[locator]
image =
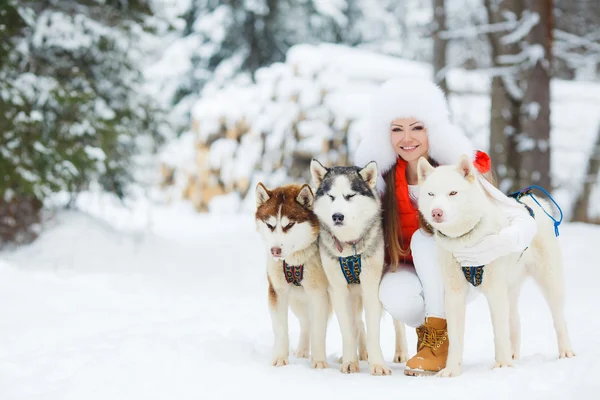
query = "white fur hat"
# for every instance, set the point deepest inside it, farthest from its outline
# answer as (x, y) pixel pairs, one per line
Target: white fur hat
(405, 98)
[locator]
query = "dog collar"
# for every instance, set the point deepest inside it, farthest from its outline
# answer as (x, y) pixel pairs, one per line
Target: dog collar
(338, 244)
(440, 233)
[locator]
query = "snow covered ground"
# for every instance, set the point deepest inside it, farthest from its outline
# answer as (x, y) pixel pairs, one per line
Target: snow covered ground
(179, 311)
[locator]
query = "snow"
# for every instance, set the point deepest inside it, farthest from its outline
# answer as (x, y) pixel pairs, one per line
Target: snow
(522, 30)
(334, 9)
(156, 303)
(333, 84)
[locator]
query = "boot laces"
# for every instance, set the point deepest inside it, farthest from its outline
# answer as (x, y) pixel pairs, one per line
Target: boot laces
(432, 337)
(420, 335)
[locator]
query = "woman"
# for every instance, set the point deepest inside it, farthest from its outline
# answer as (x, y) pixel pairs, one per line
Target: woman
(410, 119)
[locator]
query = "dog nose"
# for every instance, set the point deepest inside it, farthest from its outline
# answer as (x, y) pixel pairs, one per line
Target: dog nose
(437, 214)
(337, 217)
(276, 251)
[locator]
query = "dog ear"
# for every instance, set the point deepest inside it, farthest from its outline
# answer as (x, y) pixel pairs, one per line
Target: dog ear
(369, 174)
(261, 194)
(306, 197)
(424, 168)
(317, 171)
(466, 168)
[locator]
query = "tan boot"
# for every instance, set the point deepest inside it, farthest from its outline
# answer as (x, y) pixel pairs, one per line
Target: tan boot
(432, 351)
(420, 334)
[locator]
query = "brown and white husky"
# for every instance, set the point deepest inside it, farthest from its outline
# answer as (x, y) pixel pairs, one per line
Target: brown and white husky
(290, 231)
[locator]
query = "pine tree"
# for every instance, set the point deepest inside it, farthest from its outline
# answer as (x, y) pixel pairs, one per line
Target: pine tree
(71, 105)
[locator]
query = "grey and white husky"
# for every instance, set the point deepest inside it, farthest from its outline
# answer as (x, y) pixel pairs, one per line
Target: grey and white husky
(351, 247)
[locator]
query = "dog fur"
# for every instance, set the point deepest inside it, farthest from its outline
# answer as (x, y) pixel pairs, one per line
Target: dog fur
(351, 192)
(469, 215)
(290, 231)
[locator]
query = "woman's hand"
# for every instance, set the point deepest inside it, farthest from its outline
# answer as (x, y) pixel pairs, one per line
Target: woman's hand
(486, 250)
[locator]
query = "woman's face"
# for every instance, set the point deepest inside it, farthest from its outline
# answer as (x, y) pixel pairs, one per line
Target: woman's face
(409, 138)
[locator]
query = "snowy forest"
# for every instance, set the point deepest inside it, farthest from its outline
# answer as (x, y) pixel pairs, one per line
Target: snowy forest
(133, 134)
(214, 96)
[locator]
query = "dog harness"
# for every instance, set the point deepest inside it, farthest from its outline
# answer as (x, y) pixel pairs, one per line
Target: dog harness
(474, 275)
(350, 265)
(293, 273)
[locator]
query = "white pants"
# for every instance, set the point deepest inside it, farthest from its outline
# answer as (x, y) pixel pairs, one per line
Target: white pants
(410, 294)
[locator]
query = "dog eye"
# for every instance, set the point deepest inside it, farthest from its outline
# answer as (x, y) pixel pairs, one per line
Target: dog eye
(271, 227)
(430, 193)
(453, 193)
(348, 197)
(331, 197)
(288, 226)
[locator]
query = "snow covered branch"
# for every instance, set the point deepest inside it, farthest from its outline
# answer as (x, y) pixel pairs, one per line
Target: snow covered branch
(530, 55)
(474, 31)
(568, 40)
(523, 28)
(518, 29)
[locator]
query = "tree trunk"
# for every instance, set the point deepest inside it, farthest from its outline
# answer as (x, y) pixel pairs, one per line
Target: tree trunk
(505, 109)
(581, 207)
(439, 44)
(534, 139)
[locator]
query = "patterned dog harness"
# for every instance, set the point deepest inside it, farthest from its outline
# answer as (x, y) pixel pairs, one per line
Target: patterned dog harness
(517, 196)
(474, 275)
(293, 273)
(351, 267)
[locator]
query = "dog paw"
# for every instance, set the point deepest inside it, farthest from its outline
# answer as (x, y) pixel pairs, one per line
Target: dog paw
(566, 354)
(380, 370)
(400, 357)
(503, 364)
(350, 367)
(449, 372)
(516, 355)
(280, 361)
(302, 353)
(320, 364)
(363, 355)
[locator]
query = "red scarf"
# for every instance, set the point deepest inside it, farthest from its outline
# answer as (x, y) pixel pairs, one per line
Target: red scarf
(408, 216)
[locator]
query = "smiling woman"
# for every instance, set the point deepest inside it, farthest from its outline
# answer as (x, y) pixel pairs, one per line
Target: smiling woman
(410, 120)
(409, 138)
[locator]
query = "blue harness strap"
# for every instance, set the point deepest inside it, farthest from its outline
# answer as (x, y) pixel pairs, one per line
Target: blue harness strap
(474, 275)
(528, 192)
(351, 268)
(293, 273)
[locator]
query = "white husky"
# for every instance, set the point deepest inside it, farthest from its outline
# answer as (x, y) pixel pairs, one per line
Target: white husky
(461, 214)
(289, 230)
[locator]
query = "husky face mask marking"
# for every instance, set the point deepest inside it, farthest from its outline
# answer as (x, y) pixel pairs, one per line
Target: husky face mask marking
(448, 195)
(284, 219)
(345, 200)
